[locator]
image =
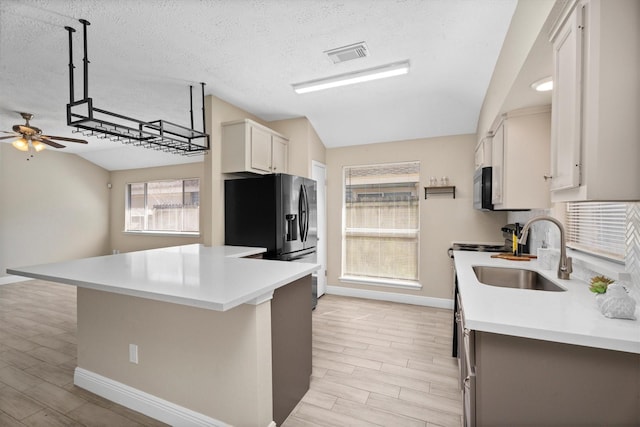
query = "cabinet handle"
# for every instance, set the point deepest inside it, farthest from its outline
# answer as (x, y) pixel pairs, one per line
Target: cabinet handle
(547, 177)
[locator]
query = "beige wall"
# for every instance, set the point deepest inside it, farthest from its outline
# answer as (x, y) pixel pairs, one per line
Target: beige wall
(127, 242)
(442, 219)
(54, 207)
(305, 145)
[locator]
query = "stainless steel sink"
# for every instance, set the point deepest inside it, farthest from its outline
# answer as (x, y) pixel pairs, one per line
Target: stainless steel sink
(514, 278)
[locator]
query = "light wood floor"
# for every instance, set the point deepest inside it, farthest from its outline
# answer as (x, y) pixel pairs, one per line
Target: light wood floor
(380, 364)
(374, 364)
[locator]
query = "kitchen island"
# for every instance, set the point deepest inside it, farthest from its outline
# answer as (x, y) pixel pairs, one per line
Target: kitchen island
(542, 357)
(190, 335)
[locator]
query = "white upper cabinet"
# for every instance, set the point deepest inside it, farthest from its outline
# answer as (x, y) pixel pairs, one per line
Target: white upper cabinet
(483, 152)
(595, 139)
(248, 146)
(520, 159)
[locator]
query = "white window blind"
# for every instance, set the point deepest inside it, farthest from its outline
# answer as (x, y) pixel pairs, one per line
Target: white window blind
(163, 206)
(597, 227)
(381, 222)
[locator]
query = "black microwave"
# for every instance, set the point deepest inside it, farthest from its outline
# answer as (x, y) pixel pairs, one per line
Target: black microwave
(482, 189)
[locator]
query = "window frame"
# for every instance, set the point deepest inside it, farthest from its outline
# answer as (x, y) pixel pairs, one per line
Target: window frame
(372, 280)
(146, 231)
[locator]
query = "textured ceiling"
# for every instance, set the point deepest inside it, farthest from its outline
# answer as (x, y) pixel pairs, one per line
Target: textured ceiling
(145, 53)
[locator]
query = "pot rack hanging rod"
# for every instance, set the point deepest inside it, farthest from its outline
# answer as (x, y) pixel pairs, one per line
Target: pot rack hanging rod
(85, 60)
(71, 67)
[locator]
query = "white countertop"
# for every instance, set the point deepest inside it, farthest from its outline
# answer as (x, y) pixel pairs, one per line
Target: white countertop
(215, 278)
(570, 317)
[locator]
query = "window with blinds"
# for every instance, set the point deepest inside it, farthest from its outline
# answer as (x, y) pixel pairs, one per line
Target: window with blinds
(597, 227)
(163, 206)
(381, 222)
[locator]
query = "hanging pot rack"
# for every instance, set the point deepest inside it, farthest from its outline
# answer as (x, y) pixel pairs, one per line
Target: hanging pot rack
(160, 135)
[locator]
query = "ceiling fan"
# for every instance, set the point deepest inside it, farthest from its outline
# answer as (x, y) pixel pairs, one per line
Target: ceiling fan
(30, 138)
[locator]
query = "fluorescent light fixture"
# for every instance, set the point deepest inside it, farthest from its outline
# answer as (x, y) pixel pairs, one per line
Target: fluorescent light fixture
(390, 70)
(543, 85)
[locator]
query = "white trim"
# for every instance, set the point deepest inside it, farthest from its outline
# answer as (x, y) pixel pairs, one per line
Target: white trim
(145, 403)
(163, 233)
(391, 297)
(5, 280)
(390, 283)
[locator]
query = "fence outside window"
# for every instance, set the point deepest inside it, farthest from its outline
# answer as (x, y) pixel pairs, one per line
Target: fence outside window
(169, 206)
(381, 222)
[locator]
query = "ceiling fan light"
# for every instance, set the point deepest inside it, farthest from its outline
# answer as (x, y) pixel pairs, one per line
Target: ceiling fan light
(21, 144)
(38, 146)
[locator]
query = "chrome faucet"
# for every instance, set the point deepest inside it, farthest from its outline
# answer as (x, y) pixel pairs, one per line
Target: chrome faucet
(565, 265)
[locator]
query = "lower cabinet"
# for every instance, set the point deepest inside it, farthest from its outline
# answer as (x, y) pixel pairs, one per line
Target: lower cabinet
(519, 381)
(466, 357)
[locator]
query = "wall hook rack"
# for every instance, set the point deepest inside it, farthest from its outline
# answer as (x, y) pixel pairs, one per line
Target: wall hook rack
(158, 134)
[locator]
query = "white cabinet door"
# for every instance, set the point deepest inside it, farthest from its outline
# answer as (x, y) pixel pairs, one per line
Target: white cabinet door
(596, 129)
(278, 154)
(483, 152)
(566, 136)
(260, 149)
(497, 161)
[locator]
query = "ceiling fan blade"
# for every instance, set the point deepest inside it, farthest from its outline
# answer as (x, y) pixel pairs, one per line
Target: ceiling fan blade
(47, 141)
(13, 133)
(63, 138)
(9, 137)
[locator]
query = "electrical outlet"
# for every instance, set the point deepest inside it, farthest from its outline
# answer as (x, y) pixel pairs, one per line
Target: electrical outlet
(133, 353)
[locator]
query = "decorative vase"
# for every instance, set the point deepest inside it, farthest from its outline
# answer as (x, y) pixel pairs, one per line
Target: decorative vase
(616, 303)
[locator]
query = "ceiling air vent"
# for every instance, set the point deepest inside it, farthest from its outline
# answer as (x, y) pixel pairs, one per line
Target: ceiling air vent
(347, 53)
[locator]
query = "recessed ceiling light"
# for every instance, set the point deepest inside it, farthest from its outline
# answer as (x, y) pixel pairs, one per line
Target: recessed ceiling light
(543, 85)
(390, 70)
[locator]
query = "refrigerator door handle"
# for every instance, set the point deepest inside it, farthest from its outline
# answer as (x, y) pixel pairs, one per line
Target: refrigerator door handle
(303, 207)
(307, 216)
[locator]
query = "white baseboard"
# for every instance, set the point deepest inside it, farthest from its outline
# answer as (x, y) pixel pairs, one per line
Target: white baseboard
(5, 280)
(145, 403)
(391, 297)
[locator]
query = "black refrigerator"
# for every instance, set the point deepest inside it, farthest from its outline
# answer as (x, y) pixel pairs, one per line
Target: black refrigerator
(277, 212)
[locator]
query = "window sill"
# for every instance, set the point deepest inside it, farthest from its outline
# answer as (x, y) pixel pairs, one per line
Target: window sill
(586, 265)
(389, 283)
(164, 233)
